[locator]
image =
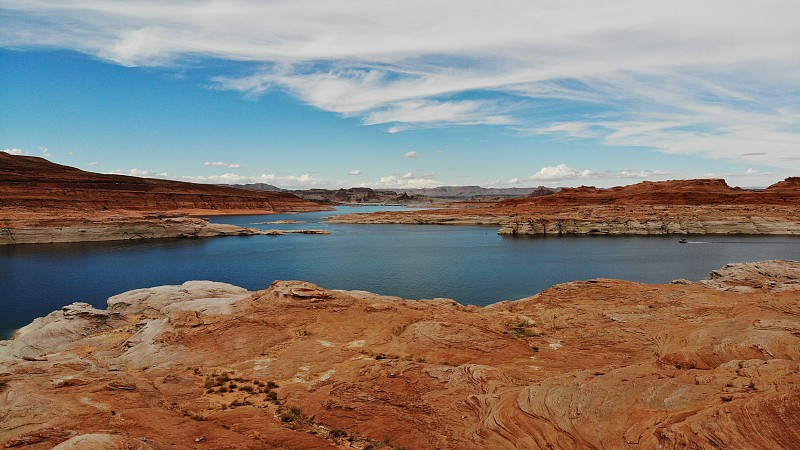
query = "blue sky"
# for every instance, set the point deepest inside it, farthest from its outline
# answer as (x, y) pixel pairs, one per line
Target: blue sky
(304, 94)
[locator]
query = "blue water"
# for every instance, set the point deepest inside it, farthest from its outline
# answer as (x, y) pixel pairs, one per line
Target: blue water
(470, 264)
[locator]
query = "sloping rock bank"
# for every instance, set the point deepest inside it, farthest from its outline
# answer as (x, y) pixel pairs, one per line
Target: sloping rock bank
(43, 202)
(668, 207)
(120, 230)
(31, 183)
(589, 364)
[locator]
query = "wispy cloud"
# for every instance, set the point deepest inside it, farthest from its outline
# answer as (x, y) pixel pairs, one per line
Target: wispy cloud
(715, 78)
(429, 113)
(221, 164)
(93, 163)
(410, 155)
(354, 172)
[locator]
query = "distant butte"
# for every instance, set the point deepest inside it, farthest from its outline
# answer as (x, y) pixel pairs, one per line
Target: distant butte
(705, 206)
(41, 201)
(597, 364)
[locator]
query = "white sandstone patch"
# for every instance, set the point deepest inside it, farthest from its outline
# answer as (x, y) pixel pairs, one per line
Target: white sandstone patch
(261, 364)
(326, 376)
(302, 373)
(356, 344)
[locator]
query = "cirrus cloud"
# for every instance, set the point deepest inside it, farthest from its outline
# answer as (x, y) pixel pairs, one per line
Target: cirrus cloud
(714, 79)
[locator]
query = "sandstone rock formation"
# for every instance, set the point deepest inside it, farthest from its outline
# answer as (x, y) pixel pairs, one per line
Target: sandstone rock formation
(603, 364)
(672, 207)
(417, 196)
(45, 202)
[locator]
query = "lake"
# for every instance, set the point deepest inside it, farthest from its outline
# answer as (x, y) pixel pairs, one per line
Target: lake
(472, 265)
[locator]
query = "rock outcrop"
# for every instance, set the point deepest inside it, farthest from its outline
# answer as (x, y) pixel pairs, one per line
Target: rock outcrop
(672, 207)
(41, 202)
(589, 364)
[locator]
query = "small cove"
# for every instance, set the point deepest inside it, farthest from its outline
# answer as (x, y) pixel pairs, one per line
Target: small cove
(472, 265)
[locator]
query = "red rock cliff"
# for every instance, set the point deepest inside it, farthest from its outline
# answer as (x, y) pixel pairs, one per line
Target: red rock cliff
(28, 183)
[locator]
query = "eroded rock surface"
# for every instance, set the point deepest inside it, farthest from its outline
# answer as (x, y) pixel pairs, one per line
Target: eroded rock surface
(604, 364)
(669, 207)
(43, 202)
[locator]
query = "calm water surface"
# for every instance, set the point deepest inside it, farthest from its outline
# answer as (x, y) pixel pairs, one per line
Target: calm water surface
(470, 264)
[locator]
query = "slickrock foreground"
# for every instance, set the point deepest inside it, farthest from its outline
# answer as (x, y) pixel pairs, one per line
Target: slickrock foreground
(669, 207)
(590, 364)
(42, 202)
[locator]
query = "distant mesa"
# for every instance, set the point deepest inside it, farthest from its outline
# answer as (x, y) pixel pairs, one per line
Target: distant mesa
(43, 202)
(31, 182)
(422, 197)
(676, 192)
(702, 206)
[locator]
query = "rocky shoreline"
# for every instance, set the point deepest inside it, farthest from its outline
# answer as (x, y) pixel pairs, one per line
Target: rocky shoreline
(599, 220)
(680, 207)
(176, 227)
(44, 202)
(702, 365)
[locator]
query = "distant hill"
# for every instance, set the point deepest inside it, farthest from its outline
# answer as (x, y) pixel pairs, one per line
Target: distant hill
(28, 183)
(406, 196)
(256, 187)
(675, 192)
(462, 193)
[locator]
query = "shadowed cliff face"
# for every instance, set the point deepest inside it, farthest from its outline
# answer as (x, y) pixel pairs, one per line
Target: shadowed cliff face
(588, 364)
(31, 185)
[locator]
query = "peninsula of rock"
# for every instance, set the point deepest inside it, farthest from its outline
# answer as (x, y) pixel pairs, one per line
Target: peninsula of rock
(597, 364)
(705, 206)
(43, 202)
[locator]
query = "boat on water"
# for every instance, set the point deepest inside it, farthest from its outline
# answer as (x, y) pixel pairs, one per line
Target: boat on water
(683, 241)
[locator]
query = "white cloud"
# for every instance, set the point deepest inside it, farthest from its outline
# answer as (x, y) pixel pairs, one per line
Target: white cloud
(45, 152)
(410, 155)
(221, 164)
(563, 172)
(354, 172)
(93, 163)
(426, 112)
(14, 151)
(407, 181)
(304, 181)
(140, 173)
(687, 75)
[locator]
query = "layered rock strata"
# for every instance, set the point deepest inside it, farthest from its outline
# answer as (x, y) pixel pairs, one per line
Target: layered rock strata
(45, 202)
(675, 207)
(590, 364)
(177, 227)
